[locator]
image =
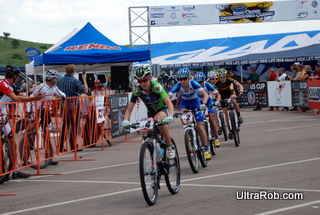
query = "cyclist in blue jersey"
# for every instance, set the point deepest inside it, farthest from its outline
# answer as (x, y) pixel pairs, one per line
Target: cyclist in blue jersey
(157, 101)
(200, 77)
(189, 90)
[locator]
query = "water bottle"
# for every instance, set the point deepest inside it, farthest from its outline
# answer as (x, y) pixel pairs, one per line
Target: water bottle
(159, 152)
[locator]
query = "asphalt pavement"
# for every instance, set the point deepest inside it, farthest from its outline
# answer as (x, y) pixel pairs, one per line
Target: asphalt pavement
(275, 170)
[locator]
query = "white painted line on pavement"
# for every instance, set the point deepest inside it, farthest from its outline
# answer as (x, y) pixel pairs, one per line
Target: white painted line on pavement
(302, 126)
(71, 201)
(248, 187)
(289, 208)
(252, 169)
(90, 182)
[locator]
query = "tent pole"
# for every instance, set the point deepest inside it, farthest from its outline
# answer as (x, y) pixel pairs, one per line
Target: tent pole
(241, 73)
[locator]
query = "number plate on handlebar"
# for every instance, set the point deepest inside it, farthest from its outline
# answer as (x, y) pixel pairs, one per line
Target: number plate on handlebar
(146, 124)
(187, 118)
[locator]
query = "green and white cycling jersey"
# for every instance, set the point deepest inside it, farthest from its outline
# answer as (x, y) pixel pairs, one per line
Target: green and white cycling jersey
(153, 101)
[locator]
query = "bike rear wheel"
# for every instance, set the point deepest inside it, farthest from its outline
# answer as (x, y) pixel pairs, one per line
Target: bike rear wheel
(5, 155)
(173, 172)
(223, 125)
(191, 150)
(29, 151)
(234, 131)
(148, 177)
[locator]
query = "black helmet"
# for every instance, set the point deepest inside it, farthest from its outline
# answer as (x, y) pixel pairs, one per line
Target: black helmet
(142, 72)
(11, 70)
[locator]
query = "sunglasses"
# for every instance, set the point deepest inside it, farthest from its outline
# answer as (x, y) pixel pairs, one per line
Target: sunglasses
(182, 79)
(211, 79)
(143, 80)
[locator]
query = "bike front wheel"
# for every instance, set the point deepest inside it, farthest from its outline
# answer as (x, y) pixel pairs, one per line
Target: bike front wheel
(148, 176)
(172, 176)
(191, 150)
(6, 156)
(36, 152)
(223, 125)
(234, 131)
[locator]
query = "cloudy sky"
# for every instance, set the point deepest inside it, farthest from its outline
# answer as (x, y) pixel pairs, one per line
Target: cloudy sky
(48, 21)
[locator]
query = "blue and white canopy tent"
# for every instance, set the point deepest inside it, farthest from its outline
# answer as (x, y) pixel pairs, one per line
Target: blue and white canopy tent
(90, 50)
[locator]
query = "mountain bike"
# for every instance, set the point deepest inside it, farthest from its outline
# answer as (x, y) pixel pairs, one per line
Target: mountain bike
(194, 150)
(153, 161)
(6, 154)
(34, 149)
(207, 128)
(234, 126)
(222, 123)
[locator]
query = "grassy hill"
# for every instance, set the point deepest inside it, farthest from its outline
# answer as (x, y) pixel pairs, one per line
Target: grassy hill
(17, 56)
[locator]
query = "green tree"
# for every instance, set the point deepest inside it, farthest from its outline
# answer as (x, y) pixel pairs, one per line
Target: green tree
(15, 43)
(43, 47)
(6, 34)
(17, 56)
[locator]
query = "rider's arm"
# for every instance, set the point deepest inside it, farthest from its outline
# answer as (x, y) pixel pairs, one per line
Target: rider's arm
(128, 111)
(168, 102)
(23, 98)
(218, 96)
(240, 87)
(205, 96)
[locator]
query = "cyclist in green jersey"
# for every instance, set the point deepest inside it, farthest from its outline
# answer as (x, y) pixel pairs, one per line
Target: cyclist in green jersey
(157, 101)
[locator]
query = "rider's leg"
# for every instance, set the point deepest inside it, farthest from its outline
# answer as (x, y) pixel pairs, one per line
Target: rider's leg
(237, 109)
(164, 130)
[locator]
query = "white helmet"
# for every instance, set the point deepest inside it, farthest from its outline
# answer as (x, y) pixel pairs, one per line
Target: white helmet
(212, 74)
(51, 73)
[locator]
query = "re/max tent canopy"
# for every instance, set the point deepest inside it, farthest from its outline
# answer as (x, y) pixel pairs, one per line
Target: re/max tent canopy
(284, 47)
(89, 46)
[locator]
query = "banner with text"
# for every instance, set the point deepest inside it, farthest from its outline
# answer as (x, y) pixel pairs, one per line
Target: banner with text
(246, 12)
(254, 94)
(314, 94)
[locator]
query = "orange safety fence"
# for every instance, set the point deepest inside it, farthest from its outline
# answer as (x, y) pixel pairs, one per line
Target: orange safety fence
(46, 129)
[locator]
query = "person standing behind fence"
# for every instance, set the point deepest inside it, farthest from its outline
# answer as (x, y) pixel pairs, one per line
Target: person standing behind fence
(271, 77)
(254, 77)
(8, 93)
(49, 90)
(316, 74)
(282, 76)
(71, 87)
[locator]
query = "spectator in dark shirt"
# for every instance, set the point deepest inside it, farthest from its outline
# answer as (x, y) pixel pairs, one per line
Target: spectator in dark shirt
(254, 77)
(316, 74)
(71, 87)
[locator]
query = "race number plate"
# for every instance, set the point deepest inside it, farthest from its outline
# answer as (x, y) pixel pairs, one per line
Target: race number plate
(186, 118)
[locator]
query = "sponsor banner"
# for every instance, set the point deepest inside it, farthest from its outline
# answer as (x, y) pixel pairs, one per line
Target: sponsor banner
(247, 12)
(139, 112)
(240, 62)
(300, 94)
(254, 94)
(100, 109)
(279, 93)
(118, 106)
(314, 94)
(32, 52)
(307, 9)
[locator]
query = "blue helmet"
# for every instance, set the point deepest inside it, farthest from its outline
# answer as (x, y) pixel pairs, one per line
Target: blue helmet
(200, 76)
(184, 73)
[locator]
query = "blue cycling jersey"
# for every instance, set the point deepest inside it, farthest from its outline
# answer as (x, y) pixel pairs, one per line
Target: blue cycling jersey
(208, 88)
(190, 94)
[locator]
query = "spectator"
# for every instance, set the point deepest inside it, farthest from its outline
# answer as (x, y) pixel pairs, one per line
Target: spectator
(71, 87)
(254, 77)
(23, 86)
(97, 85)
(308, 73)
(234, 76)
(9, 92)
(301, 72)
(282, 76)
(109, 82)
(271, 77)
(316, 74)
(294, 74)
